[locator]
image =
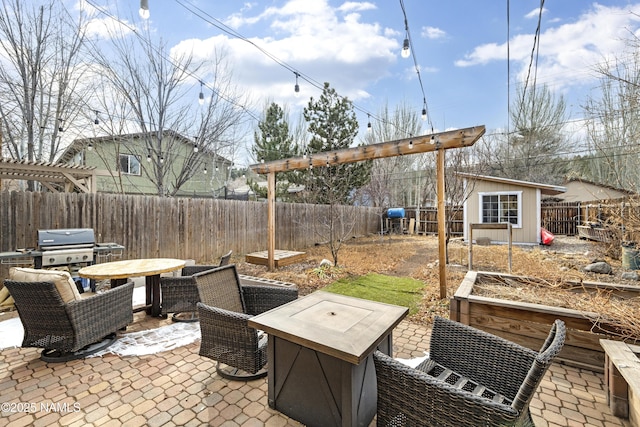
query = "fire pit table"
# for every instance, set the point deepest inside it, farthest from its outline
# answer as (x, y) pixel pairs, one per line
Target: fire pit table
(120, 271)
(320, 353)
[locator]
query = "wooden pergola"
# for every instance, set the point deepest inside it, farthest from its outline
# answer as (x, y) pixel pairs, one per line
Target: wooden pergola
(438, 142)
(69, 177)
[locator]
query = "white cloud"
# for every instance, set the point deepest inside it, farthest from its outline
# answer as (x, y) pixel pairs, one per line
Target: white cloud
(333, 44)
(535, 13)
(568, 52)
(432, 33)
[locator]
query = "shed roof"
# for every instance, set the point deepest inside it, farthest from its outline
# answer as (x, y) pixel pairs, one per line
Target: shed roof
(548, 189)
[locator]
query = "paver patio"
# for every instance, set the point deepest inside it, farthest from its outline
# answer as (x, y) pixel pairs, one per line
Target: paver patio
(181, 388)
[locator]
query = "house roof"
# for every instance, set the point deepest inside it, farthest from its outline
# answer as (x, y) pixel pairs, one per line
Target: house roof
(609, 187)
(81, 143)
(548, 189)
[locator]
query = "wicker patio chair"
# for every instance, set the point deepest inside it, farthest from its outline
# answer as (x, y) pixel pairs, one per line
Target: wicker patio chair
(470, 378)
(180, 295)
(70, 330)
(225, 307)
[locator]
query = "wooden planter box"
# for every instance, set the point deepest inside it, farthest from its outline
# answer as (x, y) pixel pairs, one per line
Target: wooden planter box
(528, 324)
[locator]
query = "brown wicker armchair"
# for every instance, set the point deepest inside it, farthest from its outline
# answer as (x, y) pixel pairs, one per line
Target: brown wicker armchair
(74, 329)
(180, 295)
(470, 378)
(225, 307)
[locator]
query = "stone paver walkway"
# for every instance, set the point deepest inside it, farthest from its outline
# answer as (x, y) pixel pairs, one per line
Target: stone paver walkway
(181, 388)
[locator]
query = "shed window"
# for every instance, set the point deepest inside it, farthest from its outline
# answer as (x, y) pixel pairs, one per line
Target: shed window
(501, 207)
(129, 164)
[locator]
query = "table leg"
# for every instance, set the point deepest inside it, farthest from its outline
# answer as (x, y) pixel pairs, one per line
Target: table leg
(152, 287)
(118, 282)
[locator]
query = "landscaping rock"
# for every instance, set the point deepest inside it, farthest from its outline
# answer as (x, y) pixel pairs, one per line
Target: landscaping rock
(630, 275)
(326, 263)
(600, 267)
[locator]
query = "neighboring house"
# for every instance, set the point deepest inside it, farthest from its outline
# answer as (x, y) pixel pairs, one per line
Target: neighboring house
(124, 164)
(494, 200)
(579, 190)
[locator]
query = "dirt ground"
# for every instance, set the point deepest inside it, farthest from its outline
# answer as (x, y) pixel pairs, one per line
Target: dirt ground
(417, 257)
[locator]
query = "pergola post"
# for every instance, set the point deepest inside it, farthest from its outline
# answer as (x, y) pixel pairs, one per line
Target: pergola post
(271, 220)
(442, 226)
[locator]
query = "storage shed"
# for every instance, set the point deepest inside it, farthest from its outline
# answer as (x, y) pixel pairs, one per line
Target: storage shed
(495, 200)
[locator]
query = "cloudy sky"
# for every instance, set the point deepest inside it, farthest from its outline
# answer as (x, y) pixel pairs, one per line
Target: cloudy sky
(460, 48)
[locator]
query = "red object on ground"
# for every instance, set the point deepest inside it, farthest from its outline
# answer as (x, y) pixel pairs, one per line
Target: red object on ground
(546, 236)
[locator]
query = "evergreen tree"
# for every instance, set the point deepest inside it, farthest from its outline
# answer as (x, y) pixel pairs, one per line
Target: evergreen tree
(332, 125)
(273, 141)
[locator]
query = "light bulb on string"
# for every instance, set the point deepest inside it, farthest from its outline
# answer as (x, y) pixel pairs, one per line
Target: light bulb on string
(406, 49)
(201, 96)
(144, 9)
(296, 88)
(369, 122)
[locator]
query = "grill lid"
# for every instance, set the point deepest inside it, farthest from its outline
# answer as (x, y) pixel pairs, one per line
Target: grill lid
(65, 238)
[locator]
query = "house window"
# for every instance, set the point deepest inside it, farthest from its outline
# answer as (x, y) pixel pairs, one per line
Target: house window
(501, 207)
(129, 164)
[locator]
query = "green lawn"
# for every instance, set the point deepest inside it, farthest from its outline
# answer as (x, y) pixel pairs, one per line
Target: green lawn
(403, 291)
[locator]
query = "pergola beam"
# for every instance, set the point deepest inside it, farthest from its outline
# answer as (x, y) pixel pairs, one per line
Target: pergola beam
(420, 144)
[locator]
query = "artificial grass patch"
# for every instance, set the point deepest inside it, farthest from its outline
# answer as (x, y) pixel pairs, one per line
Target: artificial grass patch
(403, 291)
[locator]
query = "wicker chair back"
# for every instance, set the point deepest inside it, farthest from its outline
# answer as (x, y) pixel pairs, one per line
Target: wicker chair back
(220, 287)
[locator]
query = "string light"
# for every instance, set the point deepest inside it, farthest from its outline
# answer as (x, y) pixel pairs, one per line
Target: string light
(149, 157)
(60, 127)
(369, 123)
(406, 50)
(296, 88)
(96, 121)
(201, 96)
(144, 9)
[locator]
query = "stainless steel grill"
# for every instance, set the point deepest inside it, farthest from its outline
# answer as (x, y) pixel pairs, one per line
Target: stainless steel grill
(65, 246)
(72, 247)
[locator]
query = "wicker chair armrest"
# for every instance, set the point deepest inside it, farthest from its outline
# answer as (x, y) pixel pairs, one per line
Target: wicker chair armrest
(97, 316)
(497, 363)
(261, 298)
(407, 396)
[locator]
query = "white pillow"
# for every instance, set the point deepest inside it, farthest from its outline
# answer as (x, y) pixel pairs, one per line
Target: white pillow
(62, 279)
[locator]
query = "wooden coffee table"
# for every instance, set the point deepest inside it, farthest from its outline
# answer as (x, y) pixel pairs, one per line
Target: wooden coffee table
(120, 271)
(320, 355)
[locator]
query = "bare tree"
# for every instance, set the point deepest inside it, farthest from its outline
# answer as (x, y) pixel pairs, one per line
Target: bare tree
(159, 102)
(392, 179)
(613, 125)
(534, 150)
(41, 54)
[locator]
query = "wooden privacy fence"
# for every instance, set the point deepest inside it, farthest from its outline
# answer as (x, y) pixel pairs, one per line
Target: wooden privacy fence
(427, 219)
(150, 227)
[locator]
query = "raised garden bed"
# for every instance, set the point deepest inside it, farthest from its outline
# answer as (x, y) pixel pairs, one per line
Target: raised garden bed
(528, 323)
